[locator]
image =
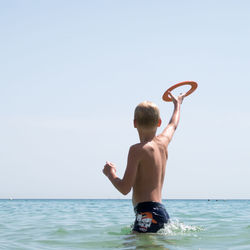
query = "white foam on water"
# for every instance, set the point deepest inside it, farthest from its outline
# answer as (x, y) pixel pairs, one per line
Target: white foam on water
(174, 227)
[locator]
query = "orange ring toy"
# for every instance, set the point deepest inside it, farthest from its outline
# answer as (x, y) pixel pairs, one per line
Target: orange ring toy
(193, 85)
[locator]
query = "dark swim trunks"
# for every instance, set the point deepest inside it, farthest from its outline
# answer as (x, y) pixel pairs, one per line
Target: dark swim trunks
(150, 217)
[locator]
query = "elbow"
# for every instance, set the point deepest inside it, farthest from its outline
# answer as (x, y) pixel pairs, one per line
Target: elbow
(125, 191)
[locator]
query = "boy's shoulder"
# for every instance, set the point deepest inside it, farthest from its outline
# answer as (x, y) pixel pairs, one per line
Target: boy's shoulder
(136, 146)
(141, 147)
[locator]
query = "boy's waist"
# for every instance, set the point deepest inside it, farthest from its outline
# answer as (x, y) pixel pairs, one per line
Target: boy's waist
(148, 205)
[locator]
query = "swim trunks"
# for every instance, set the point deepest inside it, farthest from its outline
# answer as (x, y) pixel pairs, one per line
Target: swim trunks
(150, 217)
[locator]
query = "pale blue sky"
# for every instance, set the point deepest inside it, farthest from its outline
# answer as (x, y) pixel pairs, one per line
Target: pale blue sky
(71, 73)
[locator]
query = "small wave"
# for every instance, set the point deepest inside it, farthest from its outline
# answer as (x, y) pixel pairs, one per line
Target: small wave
(61, 231)
(174, 227)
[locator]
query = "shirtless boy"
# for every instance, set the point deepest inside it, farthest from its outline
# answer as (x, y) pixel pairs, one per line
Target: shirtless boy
(146, 166)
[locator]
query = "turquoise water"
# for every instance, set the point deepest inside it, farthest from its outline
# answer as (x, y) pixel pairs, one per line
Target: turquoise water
(105, 224)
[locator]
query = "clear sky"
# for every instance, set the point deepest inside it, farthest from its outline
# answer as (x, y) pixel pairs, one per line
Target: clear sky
(72, 72)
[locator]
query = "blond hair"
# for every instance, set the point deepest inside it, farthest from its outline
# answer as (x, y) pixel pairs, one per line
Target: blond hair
(147, 114)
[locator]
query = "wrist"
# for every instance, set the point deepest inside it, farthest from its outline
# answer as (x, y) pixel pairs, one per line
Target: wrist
(177, 105)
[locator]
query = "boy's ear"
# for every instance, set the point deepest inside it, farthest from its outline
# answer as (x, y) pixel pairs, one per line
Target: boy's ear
(159, 123)
(134, 123)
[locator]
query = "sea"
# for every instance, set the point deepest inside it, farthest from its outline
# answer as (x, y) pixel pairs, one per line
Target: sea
(106, 224)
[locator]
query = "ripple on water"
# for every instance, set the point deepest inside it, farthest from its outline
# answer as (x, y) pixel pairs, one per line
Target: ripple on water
(60, 232)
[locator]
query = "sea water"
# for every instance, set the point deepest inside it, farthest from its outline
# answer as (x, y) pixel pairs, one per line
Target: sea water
(106, 224)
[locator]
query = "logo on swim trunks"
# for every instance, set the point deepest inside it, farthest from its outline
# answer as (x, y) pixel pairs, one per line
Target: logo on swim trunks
(144, 220)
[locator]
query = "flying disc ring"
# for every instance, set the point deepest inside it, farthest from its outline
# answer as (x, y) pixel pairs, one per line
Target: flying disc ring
(193, 85)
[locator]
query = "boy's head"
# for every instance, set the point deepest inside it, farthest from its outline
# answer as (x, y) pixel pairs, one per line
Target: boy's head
(147, 115)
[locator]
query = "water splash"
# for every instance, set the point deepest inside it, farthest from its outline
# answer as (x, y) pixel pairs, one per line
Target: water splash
(174, 227)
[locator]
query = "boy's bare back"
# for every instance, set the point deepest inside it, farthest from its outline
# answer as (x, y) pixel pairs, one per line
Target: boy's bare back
(151, 170)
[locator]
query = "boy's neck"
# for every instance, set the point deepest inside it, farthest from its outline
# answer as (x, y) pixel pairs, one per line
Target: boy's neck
(146, 135)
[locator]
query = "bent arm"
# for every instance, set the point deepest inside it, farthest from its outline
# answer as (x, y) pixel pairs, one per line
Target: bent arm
(125, 184)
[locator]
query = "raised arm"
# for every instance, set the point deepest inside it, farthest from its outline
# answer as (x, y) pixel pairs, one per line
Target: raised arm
(125, 184)
(168, 132)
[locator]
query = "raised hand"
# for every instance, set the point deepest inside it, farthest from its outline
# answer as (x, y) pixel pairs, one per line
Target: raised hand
(177, 100)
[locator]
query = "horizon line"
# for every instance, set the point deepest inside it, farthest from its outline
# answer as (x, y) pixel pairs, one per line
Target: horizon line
(208, 199)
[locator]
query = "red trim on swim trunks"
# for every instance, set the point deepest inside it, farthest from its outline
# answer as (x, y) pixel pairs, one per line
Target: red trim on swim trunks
(148, 215)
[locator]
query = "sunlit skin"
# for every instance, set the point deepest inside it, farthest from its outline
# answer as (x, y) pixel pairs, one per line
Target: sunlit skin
(146, 162)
